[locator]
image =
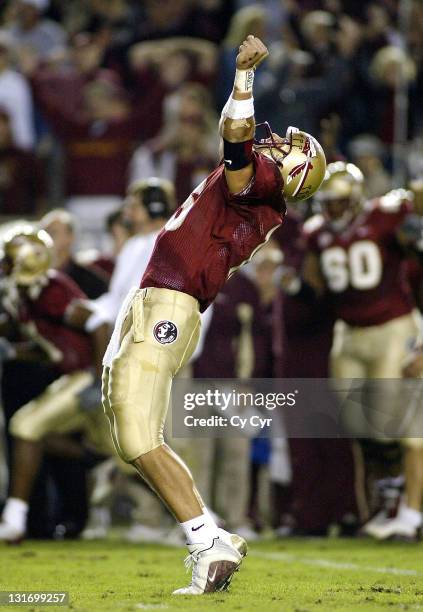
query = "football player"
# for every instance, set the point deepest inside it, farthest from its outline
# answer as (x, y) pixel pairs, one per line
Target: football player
(214, 232)
(37, 299)
(356, 255)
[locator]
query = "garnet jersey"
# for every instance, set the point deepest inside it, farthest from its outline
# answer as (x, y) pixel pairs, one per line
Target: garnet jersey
(43, 319)
(363, 266)
(215, 232)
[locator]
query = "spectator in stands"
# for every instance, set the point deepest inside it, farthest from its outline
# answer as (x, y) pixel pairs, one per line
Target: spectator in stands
(184, 18)
(21, 176)
(160, 67)
(115, 20)
(329, 137)
(391, 67)
(64, 80)
(15, 96)
(366, 152)
(185, 150)
(118, 230)
(303, 96)
(44, 37)
(99, 138)
(61, 226)
(97, 143)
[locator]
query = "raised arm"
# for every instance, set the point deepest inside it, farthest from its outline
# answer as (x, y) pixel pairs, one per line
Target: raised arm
(237, 121)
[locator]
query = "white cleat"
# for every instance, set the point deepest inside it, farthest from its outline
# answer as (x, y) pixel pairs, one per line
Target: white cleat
(235, 540)
(371, 526)
(396, 528)
(11, 534)
(212, 568)
(406, 525)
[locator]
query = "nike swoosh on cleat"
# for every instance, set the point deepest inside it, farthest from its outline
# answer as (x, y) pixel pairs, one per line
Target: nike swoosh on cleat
(228, 161)
(220, 578)
(197, 528)
(213, 576)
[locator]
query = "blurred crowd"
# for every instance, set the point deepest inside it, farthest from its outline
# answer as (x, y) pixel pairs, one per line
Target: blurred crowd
(95, 94)
(99, 96)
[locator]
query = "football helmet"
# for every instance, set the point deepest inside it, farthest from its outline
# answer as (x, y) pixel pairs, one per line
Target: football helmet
(300, 158)
(341, 194)
(27, 255)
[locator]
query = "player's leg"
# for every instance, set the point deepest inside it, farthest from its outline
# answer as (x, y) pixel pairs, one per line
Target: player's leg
(390, 344)
(55, 410)
(139, 383)
(413, 465)
(346, 363)
(388, 347)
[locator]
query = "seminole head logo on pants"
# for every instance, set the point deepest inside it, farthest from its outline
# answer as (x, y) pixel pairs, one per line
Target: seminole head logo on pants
(165, 332)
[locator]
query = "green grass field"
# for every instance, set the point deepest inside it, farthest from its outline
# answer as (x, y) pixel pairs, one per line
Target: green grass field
(288, 575)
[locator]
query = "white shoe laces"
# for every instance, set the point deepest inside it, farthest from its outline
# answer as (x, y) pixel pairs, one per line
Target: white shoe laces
(191, 561)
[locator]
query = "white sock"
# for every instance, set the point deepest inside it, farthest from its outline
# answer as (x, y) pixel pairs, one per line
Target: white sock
(15, 513)
(200, 530)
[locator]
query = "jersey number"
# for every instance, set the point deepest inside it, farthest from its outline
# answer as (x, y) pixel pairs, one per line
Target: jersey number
(180, 214)
(360, 266)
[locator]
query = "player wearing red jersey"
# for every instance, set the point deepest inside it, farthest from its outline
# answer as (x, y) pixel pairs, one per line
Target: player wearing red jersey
(215, 231)
(356, 255)
(37, 301)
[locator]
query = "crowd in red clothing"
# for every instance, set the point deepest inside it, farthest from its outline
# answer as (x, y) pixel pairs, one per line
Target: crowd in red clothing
(96, 92)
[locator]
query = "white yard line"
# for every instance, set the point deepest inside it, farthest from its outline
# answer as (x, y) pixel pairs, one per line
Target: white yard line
(352, 567)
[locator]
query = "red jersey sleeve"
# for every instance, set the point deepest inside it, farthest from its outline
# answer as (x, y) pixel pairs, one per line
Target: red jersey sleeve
(265, 186)
(390, 211)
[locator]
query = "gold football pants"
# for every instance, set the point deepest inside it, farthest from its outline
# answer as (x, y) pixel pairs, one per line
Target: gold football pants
(378, 352)
(157, 338)
(56, 411)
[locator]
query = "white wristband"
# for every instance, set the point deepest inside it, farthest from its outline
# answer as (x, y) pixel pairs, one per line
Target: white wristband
(240, 109)
(244, 80)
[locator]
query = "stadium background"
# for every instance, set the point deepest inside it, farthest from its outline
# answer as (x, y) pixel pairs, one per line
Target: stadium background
(96, 94)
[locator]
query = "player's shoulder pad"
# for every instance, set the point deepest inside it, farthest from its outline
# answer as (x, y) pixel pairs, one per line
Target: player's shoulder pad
(392, 201)
(313, 224)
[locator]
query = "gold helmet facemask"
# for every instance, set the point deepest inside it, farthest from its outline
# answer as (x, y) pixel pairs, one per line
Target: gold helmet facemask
(341, 194)
(300, 158)
(27, 255)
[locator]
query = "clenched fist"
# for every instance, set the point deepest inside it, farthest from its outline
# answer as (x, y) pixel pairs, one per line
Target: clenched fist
(251, 53)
